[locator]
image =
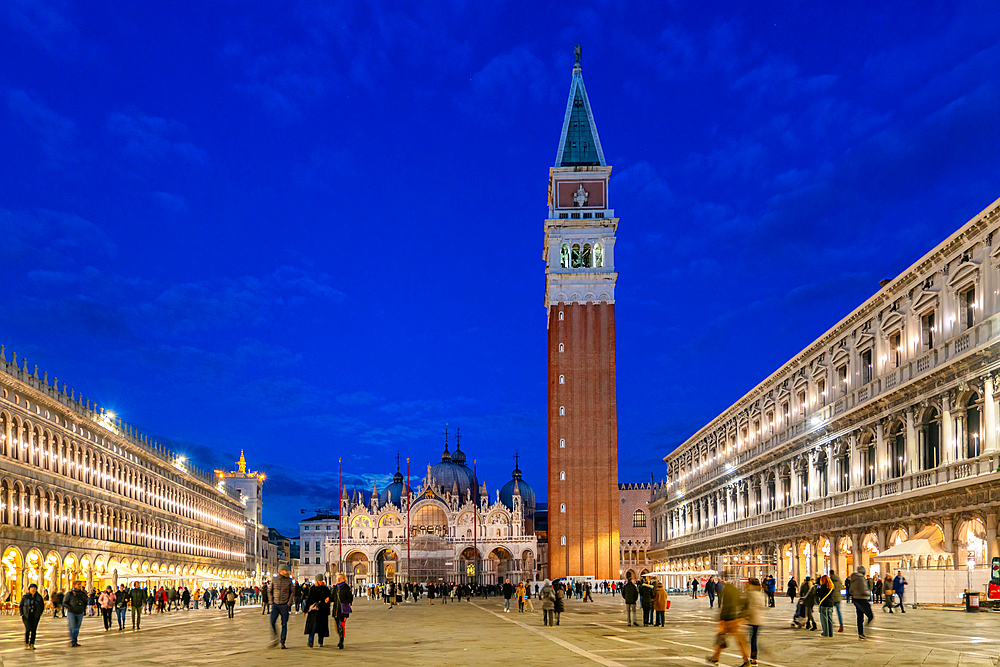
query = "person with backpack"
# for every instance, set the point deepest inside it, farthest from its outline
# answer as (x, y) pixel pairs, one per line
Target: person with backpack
(230, 601)
(859, 596)
(76, 606)
(548, 598)
(898, 586)
(560, 599)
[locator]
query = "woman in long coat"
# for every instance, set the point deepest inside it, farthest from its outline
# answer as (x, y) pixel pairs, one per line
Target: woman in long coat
(318, 608)
(342, 597)
(659, 603)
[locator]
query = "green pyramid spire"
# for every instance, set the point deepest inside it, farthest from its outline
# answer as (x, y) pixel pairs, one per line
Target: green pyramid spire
(579, 143)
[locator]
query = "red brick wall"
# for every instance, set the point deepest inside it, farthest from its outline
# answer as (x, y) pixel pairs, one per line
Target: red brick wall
(590, 458)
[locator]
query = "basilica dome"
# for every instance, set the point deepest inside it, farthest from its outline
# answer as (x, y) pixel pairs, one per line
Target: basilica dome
(527, 496)
(393, 492)
(452, 473)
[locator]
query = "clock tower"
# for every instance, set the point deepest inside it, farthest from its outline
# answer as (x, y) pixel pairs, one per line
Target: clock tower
(580, 281)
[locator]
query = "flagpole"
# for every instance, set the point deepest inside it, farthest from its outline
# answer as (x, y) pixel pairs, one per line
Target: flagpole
(340, 511)
(475, 530)
(406, 488)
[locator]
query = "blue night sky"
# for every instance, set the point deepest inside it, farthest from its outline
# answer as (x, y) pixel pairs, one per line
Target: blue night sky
(314, 230)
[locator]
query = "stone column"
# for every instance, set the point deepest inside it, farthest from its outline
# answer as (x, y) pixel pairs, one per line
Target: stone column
(854, 466)
(796, 559)
(990, 414)
(948, 523)
(912, 458)
(950, 440)
(856, 552)
(881, 454)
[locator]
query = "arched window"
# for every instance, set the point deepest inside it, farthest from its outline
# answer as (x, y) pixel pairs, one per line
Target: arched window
(588, 257)
(577, 256)
(562, 347)
(562, 508)
(561, 316)
(638, 519)
(598, 255)
(562, 540)
(562, 379)
(562, 410)
(564, 256)
(562, 443)
(562, 475)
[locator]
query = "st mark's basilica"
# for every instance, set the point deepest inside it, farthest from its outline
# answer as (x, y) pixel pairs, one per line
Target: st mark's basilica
(446, 529)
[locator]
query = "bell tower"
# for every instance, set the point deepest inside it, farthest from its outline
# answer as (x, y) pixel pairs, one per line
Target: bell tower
(580, 281)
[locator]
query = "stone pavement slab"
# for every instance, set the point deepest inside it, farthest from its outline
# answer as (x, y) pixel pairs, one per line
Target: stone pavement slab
(481, 634)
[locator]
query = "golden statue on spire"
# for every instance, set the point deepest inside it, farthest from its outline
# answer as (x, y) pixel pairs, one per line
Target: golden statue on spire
(242, 463)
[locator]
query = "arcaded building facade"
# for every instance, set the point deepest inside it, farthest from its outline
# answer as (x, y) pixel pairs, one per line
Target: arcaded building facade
(883, 429)
(580, 282)
(634, 528)
(85, 497)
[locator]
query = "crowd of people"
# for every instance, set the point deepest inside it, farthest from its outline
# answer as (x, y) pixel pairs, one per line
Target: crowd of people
(122, 605)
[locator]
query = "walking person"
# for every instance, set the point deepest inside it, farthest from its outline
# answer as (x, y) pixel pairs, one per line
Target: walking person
(57, 605)
(560, 600)
(265, 605)
(282, 594)
(792, 590)
(122, 598)
(508, 593)
(835, 598)
(317, 608)
(770, 590)
(755, 603)
(710, 591)
(732, 607)
(630, 596)
(342, 599)
(807, 594)
(230, 601)
(107, 604)
(137, 598)
(660, 603)
(824, 597)
(519, 593)
(76, 606)
(31, 608)
(527, 597)
(877, 588)
(898, 586)
(859, 596)
(548, 598)
(887, 594)
(694, 589)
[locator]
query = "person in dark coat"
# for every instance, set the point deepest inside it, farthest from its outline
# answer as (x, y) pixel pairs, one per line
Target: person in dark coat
(317, 609)
(31, 608)
(341, 603)
(793, 589)
(560, 600)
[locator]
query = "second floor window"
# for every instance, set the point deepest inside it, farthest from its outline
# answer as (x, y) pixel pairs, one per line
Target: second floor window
(968, 300)
(866, 366)
(895, 348)
(927, 330)
(639, 519)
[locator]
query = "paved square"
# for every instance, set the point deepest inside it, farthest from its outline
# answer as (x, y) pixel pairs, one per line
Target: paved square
(479, 633)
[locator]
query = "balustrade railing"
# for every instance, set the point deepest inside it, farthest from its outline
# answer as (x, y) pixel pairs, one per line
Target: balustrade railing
(986, 464)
